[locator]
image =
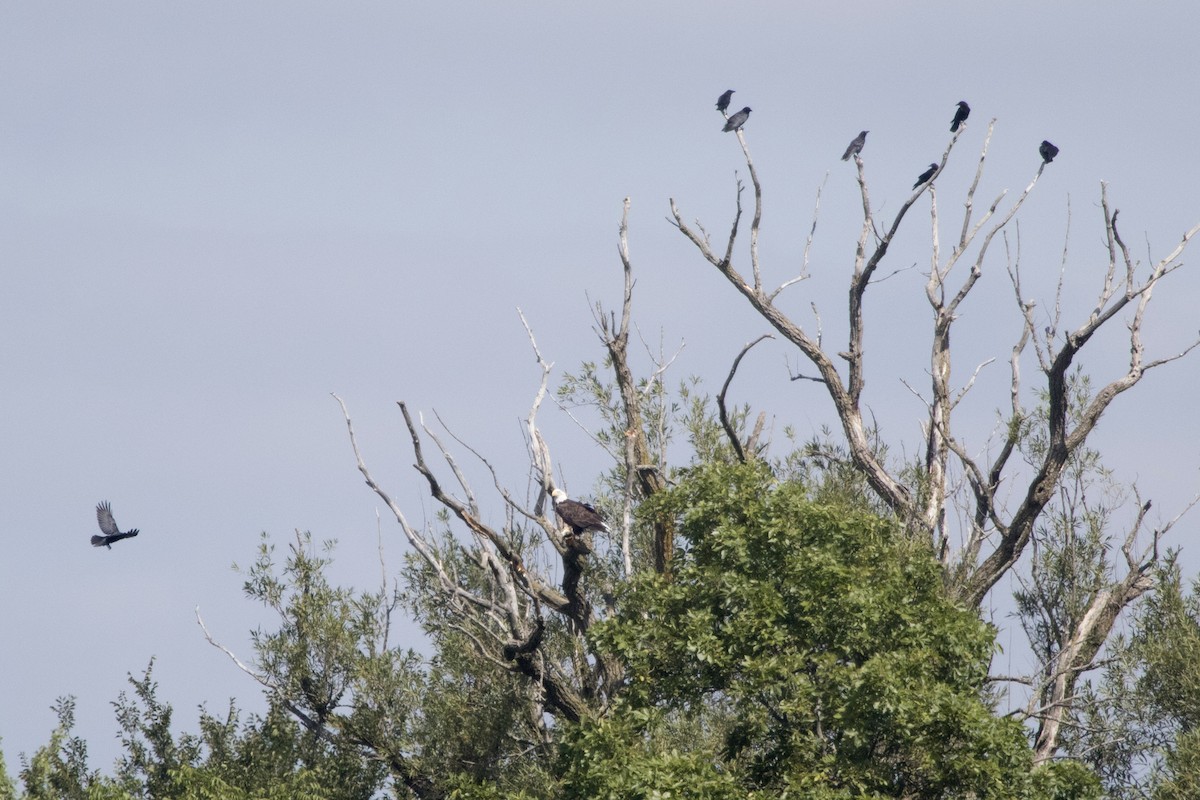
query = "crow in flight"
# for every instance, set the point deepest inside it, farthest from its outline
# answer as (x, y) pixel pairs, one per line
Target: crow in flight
(856, 146)
(723, 100)
(108, 527)
(961, 115)
(926, 175)
(737, 120)
(1048, 152)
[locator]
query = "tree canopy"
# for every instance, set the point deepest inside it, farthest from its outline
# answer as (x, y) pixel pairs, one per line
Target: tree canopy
(817, 646)
(756, 619)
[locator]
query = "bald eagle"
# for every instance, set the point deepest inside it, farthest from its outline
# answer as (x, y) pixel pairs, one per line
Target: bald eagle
(108, 526)
(580, 517)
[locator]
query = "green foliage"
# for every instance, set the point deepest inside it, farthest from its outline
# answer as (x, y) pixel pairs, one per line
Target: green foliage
(1070, 562)
(1065, 780)
(59, 769)
(802, 647)
(1167, 644)
(8, 789)
(591, 388)
(330, 663)
(1180, 779)
(458, 717)
(1166, 647)
(621, 759)
(152, 756)
(823, 464)
(824, 641)
(262, 759)
(1139, 727)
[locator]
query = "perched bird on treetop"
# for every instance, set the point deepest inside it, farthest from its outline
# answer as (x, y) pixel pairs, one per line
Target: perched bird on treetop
(961, 115)
(926, 175)
(1048, 151)
(737, 120)
(856, 146)
(723, 100)
(108, 526)
(581, 517)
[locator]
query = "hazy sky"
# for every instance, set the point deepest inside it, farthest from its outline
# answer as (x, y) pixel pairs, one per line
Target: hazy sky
(214, 214)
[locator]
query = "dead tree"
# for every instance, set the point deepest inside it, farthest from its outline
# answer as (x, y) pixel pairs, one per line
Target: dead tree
(493, 585)
(993, 536)
(507, 619)
(643, 471)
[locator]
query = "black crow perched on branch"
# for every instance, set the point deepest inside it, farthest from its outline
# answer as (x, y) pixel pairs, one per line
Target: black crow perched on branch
(108, 526)
(961, 115)
(737, 120)
(1048, 151)
(723, 100)
(856, 146)
(926, 175)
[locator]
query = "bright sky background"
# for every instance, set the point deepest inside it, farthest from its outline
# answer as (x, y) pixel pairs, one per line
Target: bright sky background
(214, 214)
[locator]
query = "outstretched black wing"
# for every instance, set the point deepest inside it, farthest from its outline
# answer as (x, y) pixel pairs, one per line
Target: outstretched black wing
(108, 526)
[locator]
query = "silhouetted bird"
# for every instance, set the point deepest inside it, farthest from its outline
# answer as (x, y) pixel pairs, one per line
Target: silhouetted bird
(1048, 151)
(723, 100)
(856, 146)
(961, 115)
(737, 120)
(926, 175)
(109, 527)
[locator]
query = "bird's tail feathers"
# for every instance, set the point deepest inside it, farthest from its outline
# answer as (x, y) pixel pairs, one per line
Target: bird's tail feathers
(100, 541)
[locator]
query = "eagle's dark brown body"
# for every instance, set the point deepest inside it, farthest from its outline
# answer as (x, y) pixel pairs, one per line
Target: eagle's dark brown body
(579, 517)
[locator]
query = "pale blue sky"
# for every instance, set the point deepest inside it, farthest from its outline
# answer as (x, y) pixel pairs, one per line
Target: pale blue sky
(214, 214)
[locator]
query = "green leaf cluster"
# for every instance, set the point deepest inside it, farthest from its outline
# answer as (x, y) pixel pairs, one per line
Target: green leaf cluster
(812, 651)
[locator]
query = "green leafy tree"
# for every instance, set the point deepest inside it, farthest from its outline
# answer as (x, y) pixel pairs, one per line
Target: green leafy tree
(8, 789)
(267, 756)
(818, 641)
(512, 594)
(980, 508)
(59, 769)
(802, 622)
(262, 758)
(1166, 644)
(1139, 727)
(1077, 587)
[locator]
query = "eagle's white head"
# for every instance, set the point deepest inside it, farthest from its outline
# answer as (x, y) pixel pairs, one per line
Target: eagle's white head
(558, 494)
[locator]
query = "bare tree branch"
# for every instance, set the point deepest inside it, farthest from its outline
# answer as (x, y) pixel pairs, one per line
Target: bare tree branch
(722, 412)
(644, 478)
(1063, 440)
